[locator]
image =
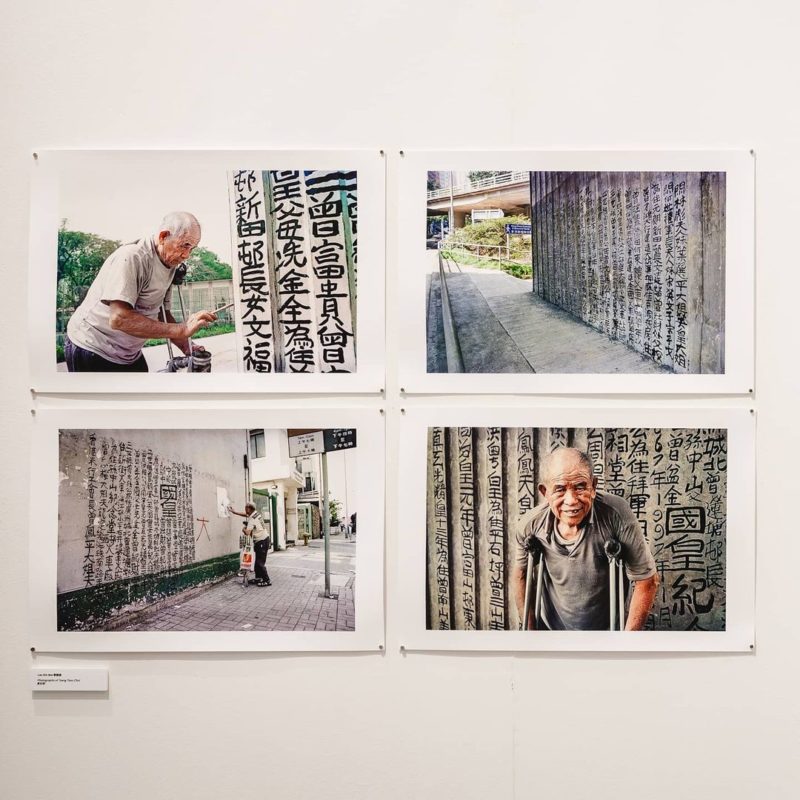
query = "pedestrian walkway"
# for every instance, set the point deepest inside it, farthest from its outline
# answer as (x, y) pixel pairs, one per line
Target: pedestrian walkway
(502, 326)
(294, 602)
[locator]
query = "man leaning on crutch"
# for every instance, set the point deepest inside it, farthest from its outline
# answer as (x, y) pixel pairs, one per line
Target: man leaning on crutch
(574, 552)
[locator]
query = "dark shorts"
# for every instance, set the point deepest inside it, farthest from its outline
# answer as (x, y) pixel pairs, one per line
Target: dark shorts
(80, 360)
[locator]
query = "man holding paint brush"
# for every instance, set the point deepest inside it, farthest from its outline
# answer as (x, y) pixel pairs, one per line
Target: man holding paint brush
(122, 308)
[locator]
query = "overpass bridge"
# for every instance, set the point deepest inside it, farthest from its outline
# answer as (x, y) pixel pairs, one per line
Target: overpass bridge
(509, 191)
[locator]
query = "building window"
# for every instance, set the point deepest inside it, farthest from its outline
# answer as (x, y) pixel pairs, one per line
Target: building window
(257, 444)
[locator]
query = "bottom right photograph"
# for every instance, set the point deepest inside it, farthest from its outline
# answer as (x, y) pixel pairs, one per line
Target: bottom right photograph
(570, 529)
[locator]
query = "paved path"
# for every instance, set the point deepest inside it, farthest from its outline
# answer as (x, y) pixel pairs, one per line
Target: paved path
(222, 348)
(292, 603)
(502, 326)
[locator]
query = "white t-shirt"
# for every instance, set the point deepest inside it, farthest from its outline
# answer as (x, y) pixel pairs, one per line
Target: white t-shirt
(135, 275)
(255, 526)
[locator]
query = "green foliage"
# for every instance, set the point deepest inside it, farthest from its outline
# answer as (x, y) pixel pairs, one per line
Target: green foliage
(516, 268)
(492, 232)
(204, 265)
(479, 175)
(80, 256)
(335, 507)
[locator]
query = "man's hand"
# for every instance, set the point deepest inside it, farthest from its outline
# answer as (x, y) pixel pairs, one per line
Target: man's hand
(644, 593)
(196, 321)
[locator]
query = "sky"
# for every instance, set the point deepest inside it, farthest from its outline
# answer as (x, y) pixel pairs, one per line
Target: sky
(130, 202)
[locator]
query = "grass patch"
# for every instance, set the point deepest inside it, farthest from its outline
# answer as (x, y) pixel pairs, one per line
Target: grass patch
(211, 330)
(515, 268)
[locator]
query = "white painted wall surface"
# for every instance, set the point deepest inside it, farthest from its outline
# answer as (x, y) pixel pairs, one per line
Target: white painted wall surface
(510, 74)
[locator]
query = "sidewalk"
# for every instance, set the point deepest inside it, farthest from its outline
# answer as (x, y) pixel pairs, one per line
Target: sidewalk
(292, 603)
(501, 326)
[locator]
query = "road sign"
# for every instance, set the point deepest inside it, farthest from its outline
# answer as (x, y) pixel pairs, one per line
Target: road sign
(306, 444)
(339, 439)
(321, 441)
(518, 229)
(479, 214)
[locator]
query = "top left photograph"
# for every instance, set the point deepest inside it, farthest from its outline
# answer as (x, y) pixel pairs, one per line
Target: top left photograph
(196, 271)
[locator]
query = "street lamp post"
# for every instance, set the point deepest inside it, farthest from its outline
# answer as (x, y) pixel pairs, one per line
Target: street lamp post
(326, 524)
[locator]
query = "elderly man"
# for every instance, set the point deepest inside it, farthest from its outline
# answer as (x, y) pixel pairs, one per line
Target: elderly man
(571, 529)
(253, 525)
(121, 310)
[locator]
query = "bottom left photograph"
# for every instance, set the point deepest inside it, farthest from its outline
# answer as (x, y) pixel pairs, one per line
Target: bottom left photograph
(249, 531)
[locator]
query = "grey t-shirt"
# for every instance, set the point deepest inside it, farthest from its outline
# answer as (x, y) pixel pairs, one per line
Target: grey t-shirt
(135, 275)
(575, 594)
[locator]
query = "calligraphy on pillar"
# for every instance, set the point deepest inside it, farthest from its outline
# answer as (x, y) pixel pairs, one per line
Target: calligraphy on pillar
(295, 252)
(250, 258)
(674, 480)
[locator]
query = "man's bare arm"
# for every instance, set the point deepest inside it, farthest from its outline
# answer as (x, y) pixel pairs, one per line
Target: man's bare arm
(181, 342)
(518, 575)
(644, 593)
(124, 318)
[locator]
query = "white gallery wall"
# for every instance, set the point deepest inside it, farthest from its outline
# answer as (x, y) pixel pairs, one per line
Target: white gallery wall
(413, 75)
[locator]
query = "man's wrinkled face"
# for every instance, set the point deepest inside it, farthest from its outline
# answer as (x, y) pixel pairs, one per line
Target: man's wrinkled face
(570, 490)
(174, 249)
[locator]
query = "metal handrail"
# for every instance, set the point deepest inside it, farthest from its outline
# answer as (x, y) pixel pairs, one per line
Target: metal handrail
(501, 248)
(501, 179)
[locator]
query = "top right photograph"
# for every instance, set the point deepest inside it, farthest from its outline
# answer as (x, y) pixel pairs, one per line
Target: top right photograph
(616, 272)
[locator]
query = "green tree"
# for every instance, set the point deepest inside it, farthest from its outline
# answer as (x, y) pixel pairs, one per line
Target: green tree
(80, 256)
(335, 508)
(479, 175)
(204, 265)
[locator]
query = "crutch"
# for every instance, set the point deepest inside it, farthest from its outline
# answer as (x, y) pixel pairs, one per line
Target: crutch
(535, 565)
(616, 585)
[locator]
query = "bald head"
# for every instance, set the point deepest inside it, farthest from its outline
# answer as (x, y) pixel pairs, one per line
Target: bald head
(178, 235)
(177, 223)
(568, 486)
(564, 459)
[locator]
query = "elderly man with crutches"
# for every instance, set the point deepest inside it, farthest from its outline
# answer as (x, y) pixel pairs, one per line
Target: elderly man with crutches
(575, 551)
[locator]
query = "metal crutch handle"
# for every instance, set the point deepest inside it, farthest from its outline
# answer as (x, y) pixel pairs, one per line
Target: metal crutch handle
(532, 546)
(613, 550)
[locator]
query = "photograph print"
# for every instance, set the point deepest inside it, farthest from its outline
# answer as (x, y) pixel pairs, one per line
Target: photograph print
(576, 272)
(207, 529)
(203, 264)
(577, 529)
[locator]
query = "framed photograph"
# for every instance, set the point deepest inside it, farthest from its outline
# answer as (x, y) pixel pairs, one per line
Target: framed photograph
(221, 529)
(576, 272)
(578, 529)
(187, 271)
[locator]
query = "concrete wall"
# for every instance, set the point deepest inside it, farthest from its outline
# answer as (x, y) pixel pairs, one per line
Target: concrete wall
(295, 256)
(139, 503)
(639, 256)
(482, 481)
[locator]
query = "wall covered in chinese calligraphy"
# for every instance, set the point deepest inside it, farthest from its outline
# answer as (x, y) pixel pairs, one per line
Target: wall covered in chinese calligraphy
(138, 516)
(295, 254)
(639, 256)
(482, 484)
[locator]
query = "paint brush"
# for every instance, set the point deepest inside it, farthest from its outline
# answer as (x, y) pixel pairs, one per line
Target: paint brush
(223, 308)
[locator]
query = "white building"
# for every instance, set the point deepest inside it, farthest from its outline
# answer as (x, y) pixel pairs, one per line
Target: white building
(274, 482)
(341, 480)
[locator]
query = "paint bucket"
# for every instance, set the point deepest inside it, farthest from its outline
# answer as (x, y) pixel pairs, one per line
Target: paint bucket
(200, 361)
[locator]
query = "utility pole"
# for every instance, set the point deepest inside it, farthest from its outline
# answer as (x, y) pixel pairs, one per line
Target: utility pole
(326, 524)
(452, 215)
